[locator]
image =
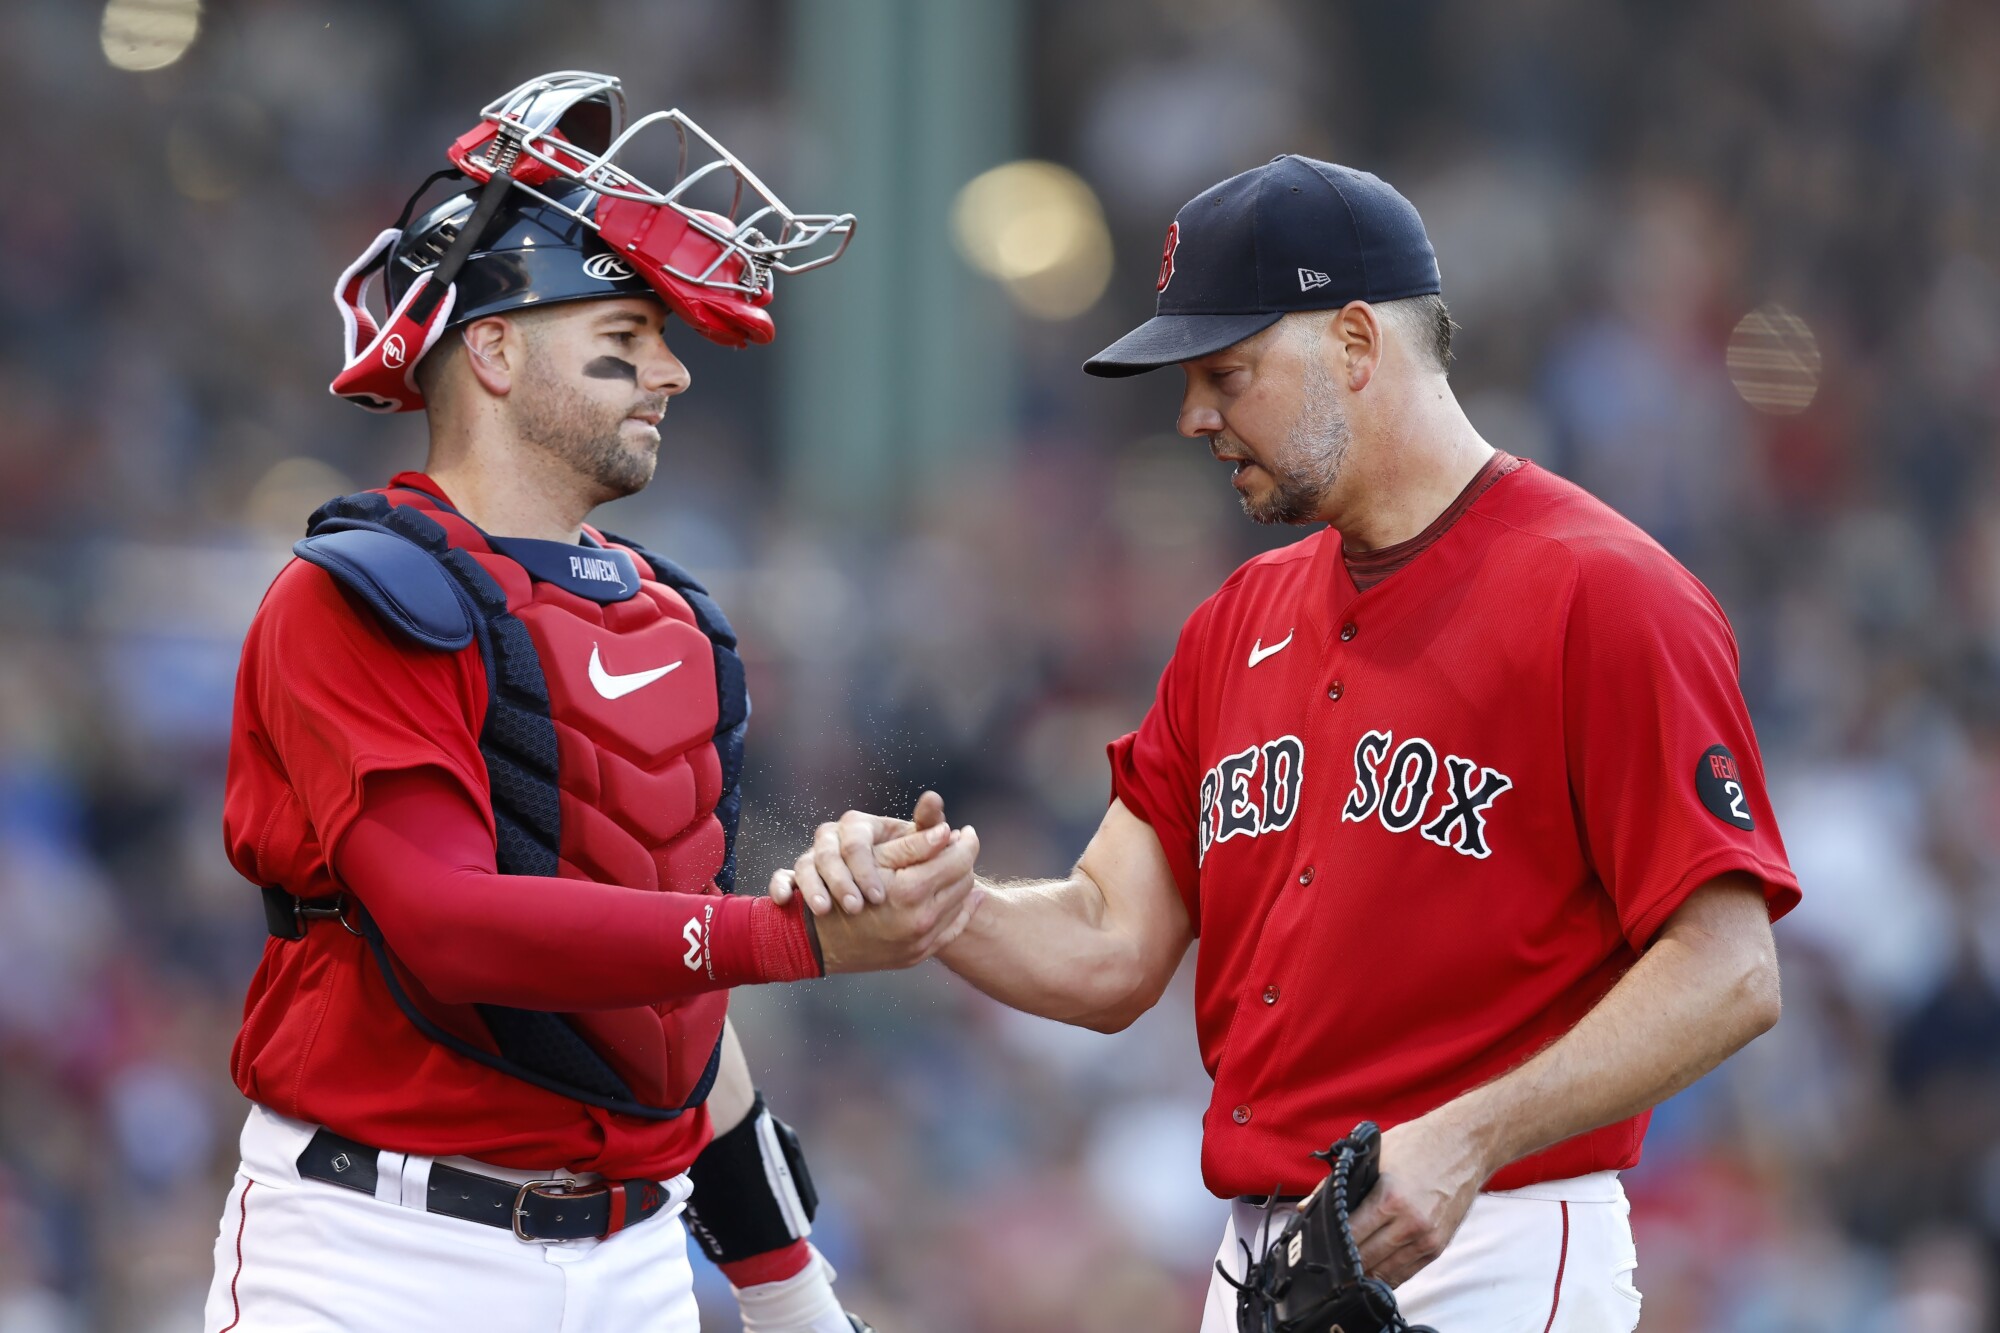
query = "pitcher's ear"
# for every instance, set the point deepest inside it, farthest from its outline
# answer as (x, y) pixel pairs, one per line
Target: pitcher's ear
(1358, 330)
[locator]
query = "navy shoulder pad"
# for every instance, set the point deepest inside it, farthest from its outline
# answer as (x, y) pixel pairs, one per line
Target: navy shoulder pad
(402, 582)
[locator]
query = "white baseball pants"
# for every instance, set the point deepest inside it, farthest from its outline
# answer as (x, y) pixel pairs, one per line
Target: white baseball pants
(295, 1255)
(1550, 1258)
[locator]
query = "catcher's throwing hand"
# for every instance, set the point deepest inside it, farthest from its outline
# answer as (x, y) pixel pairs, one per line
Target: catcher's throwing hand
(920, 895)
(851, 859)
(1430, 1176)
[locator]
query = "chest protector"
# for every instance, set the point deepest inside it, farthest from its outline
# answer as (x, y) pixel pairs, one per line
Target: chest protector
(585, 782)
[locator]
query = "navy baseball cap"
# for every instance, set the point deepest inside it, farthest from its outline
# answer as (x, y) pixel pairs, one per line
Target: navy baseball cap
(1293, 234)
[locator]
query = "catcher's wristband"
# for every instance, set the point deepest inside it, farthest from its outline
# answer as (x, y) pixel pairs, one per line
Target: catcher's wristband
(752, 1192)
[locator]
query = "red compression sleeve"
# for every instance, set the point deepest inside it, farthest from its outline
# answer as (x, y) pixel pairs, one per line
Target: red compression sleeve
(419, 856)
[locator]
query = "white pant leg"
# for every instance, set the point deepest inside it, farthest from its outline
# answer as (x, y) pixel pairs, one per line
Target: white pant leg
(1523, 1261)
(299, 1254)
(1218, 1311)
(1218, 1314)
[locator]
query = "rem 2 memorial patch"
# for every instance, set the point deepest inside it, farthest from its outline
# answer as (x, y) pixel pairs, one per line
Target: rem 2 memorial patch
(1719, 783)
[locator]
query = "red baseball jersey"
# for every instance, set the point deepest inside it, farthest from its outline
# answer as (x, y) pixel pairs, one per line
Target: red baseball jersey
(1422, 830)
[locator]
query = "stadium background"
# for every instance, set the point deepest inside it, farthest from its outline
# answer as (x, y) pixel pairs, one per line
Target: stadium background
(956, 561)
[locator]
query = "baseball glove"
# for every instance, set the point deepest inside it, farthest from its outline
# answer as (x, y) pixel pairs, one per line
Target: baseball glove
(1310, 1280)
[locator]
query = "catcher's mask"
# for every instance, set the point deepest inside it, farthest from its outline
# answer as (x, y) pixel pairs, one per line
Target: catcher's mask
(557, 216)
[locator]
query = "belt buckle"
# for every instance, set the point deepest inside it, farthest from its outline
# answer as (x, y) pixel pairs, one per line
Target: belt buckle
(561, 1183)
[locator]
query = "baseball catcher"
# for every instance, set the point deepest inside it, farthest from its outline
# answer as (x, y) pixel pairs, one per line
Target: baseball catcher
(486, 769)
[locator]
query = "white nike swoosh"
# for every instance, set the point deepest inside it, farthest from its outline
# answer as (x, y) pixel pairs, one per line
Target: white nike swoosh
(1258, 652)
(617, 687)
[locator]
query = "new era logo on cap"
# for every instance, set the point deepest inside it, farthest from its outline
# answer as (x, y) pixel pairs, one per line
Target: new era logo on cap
(1310, 278)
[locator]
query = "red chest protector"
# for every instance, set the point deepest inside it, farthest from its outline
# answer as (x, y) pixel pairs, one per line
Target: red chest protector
(596, 770)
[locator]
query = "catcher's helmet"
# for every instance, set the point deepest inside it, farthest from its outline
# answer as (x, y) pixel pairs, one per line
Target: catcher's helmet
(557, 217)
(532, 254)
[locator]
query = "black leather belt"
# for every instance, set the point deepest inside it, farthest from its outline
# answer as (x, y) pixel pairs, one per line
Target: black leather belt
(540, 1211)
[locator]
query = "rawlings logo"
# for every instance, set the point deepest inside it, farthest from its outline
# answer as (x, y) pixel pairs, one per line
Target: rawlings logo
(1252, 792)
(607, 268)
(1396, 788)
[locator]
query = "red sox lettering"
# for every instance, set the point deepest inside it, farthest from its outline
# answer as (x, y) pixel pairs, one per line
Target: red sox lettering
(1397, 788)
(1254, 791)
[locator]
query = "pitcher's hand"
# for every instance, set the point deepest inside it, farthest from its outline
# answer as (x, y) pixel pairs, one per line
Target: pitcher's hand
(850, 858)
(928, 896)
(1430, 1176)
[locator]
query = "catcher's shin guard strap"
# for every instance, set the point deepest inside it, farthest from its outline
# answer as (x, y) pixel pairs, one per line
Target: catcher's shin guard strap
(752, 1193)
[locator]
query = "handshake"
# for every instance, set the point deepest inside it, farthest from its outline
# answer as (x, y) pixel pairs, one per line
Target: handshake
(903, 888)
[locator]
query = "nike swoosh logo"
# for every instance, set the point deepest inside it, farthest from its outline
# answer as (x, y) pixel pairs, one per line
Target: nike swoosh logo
(1258, 652)
(617, 687)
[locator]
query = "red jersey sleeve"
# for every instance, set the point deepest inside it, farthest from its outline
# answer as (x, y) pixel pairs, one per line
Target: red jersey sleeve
(336, 696)
(1664, 769)
(1155, 770)
(421, 857)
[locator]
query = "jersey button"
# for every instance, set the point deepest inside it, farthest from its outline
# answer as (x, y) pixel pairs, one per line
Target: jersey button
(1306, 875)
(1270, 995)
(1348, 631)
(1241, 1115)
(1335, 690)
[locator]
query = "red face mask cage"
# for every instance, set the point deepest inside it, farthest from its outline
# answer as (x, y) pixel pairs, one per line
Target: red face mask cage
(713, 266)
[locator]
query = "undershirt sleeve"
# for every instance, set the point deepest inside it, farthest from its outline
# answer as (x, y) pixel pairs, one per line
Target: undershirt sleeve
(1154, 770)
(338, 697)
(420, 857)
(1664, 768)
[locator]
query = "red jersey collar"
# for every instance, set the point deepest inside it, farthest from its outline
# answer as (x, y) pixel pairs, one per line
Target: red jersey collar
(1330, 562)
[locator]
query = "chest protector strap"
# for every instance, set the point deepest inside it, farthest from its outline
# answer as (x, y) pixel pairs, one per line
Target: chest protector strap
(399, 561)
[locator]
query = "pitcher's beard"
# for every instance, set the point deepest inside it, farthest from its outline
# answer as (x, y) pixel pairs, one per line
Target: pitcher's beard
(1308, 464)
(588, 436)
(1291, 499)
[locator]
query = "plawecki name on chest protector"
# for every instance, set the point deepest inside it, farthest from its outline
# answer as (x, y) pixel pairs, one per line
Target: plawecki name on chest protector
(1407, 788)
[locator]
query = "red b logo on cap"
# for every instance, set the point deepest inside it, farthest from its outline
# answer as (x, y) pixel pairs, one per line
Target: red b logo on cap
(1167, 254)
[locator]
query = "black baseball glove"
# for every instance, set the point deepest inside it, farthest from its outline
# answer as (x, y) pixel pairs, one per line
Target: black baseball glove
(1310, 1280)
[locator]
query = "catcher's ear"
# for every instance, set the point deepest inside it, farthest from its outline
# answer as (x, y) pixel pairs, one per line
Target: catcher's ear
(486, 347)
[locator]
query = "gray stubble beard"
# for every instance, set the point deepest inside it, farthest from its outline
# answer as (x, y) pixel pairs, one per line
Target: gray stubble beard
(1308, 464)
(570, 427)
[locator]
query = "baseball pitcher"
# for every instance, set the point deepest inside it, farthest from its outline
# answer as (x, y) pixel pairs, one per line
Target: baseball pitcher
(1458, 793)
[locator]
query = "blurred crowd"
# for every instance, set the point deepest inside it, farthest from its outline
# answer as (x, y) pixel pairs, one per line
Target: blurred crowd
(1611, 190)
